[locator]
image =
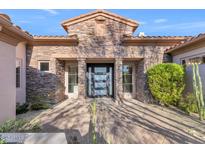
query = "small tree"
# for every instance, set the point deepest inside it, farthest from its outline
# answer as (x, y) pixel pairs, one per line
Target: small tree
(166, 82)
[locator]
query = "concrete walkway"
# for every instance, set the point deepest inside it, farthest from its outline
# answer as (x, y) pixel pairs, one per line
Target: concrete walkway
(128, 122)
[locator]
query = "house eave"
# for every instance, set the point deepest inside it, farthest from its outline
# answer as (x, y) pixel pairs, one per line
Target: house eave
(186, 44)
(152, 41)
(12, 30)
(55, 40)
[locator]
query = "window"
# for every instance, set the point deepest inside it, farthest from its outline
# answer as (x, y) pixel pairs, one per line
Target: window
(72, 78)
(198, 60)
(18, 73)
(193, 60)
(44, 66)
(183, 62)
(127, 78)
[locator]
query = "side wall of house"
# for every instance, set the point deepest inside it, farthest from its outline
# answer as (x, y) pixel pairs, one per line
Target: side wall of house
(7, 82)
(21, 56)
(198, 52)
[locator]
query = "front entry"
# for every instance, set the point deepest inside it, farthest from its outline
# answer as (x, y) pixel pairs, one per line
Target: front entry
(100, 79)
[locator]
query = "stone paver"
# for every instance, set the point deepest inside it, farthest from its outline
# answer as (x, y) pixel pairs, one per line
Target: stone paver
(34, 138)
(129, 121)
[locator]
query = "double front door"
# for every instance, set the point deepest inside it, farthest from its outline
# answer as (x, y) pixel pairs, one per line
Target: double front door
(100, 80)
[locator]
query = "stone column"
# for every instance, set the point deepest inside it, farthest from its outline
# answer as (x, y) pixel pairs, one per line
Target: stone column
(141, 81)
(81, 78)
(118, 79)
(60, 80)
(143, 93)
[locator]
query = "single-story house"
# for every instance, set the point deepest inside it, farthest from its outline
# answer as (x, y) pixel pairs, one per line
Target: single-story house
(188, 52)
(99, 56)
(12, 67)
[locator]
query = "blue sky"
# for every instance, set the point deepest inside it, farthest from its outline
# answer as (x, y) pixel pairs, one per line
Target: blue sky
(152, 22)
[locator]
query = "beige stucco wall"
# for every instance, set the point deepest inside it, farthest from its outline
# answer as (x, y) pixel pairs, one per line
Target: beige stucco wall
(193, 53)
(7, 81)
(21, 55)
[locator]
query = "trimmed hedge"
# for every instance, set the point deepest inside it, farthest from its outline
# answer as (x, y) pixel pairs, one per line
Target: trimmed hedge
(39, 106)
(166, 82)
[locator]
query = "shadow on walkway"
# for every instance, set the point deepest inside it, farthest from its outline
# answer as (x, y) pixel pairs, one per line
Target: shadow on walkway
(130, 121)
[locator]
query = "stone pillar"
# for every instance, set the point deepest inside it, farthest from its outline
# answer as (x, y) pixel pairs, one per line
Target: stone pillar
(60, 80)
(143, 93)
(141, 81)
(118, 79)
(81, 78)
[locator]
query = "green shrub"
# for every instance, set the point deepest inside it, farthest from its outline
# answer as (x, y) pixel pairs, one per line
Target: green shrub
(2, 141)
(39, 102)
(12, 125)
(188, 104)
(18, 126)
(39, 106)
(22, 108)
(166, 82)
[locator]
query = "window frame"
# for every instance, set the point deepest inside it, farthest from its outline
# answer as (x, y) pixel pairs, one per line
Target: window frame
(72, 74)
(18, 64)
(43, 61)
(129, 74)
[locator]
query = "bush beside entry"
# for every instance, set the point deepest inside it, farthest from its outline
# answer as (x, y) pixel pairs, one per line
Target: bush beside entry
(166, 82)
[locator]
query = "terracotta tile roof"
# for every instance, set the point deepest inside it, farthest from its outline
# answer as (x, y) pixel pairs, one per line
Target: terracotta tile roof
(157, 40)
(55, 40)
(6, 20)
(5, 16)
(186, 42)
(156, 37)
(24, 31)
(55, 36)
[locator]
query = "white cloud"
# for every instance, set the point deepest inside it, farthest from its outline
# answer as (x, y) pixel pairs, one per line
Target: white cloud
(39, 17)
(24, 21)
(187, 25)
(142, 22)
(161, 20)
(53, 12)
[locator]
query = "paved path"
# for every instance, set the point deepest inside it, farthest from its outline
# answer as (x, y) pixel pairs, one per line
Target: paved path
(127, 122)
(34, 138)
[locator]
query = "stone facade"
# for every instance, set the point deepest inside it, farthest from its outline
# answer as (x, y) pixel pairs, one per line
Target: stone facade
(98, 39)
(45, 85)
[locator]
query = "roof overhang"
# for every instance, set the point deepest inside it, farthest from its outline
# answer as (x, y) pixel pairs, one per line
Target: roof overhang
(191, 43)
(55, 40)
(103, 13)
(11, 33)
(161, 41)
